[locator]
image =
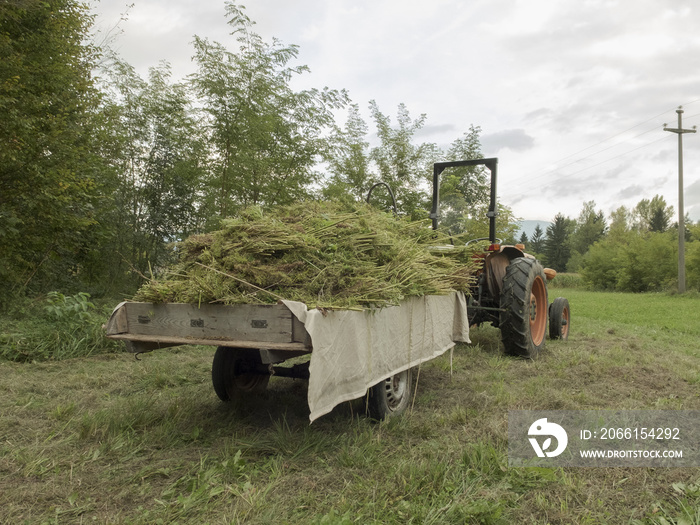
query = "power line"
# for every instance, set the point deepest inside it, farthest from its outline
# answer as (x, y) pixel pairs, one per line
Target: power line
(600, 163)
(527, 179)
(618, 156)
(559, 168)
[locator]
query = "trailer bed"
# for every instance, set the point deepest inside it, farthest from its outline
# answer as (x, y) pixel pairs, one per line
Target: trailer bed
(350, 351)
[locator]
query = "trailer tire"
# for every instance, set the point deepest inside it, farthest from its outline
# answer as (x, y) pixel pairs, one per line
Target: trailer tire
(523, 321)
(559, 319)
(229, 376)
(391, 396)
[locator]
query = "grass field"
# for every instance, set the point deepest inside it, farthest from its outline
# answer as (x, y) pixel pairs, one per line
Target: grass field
(109, 439)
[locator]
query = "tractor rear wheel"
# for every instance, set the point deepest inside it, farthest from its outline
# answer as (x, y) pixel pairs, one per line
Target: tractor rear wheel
(523, 321)
(231, 375)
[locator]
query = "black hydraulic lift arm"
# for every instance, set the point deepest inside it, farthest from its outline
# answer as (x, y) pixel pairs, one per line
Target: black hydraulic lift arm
(439, 167)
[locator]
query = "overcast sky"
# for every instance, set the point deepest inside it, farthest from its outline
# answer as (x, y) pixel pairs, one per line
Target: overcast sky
(571, 95)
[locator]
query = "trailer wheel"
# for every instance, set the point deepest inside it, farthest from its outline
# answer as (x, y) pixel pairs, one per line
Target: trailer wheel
(230, 372)
(391, 396)
(559, 319)
(523, 321)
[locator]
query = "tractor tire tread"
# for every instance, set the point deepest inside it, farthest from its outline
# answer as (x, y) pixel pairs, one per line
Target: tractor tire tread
(515, 298)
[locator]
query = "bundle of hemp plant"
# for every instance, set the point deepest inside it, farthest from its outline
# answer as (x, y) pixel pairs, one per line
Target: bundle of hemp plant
(324, 254)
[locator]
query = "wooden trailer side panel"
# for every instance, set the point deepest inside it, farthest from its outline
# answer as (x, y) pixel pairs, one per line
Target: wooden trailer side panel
(262, 326)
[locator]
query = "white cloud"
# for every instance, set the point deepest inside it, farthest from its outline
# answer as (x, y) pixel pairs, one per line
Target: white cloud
(572, 95)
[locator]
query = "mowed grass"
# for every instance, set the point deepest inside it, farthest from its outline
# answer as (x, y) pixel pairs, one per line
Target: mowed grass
(112, 439)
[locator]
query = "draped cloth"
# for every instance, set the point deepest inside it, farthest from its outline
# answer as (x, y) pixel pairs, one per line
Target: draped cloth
(353, 350)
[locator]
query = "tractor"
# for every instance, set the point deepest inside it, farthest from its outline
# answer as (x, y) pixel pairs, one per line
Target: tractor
(510, 290)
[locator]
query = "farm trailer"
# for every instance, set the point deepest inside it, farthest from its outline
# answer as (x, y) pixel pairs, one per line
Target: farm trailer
(350, 353)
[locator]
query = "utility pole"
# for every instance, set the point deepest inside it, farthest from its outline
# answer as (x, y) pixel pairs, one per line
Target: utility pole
(681, 219)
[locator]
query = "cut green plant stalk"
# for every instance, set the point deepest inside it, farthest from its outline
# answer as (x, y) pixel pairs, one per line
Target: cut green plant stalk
(321, 253)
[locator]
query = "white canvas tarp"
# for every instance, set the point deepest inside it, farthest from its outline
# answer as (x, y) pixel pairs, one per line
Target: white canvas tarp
(353, 350)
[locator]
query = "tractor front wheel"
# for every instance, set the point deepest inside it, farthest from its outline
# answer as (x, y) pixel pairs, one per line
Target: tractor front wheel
(523, 319)
(559, 319)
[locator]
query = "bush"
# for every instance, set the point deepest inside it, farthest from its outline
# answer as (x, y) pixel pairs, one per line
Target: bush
(648, 263)
(601, 265)
(692, 265)
(643, 263)
(56, 327)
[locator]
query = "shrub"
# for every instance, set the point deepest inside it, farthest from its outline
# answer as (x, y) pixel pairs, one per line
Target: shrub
(692, 265)
(639, 263)
(601, 265)
(648, 263)
(57, 327)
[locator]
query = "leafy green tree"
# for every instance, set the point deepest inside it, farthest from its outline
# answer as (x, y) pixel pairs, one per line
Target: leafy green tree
(557, 250)
(653, 215)
(601, 263)
(620, 224)
(49, 174)
(348, 159)
(267, 137)
(463, 190)
(476, 225)
(632, 263)
(590, 227)
(158, 156)
(523, 239)
(405, 167)
(693, 230)
(400, 163)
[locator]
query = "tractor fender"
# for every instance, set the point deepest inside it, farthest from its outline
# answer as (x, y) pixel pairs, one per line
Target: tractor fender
(496, 264)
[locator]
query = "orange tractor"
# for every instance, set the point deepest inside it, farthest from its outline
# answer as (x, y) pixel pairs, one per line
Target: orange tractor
(510, 290)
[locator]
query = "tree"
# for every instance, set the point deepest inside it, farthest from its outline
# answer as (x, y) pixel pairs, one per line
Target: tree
(589, 228)
(49, 173)
(463, 189)
(556, 247)
(620, 224)
(523, 239)
(653, 215)
(158, 156)
(406, 168)
(267, 137)
(348, 159)
(400, 163)
(537, 242)
(693, 256)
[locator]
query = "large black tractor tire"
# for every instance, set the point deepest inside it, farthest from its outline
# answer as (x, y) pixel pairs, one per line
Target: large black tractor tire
(229, 373)
(523, 321)
(390, 397)
(559, 319)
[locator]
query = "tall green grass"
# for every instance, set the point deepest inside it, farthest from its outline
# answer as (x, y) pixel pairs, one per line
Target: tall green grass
(108, 439)
(54, 327)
